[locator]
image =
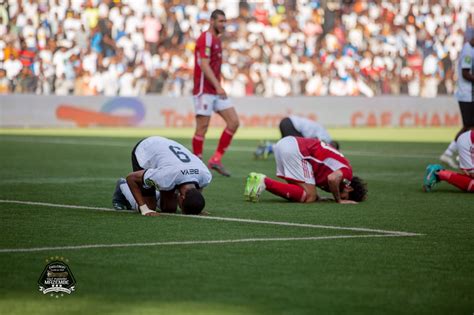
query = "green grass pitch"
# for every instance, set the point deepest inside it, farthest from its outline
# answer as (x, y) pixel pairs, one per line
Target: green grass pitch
(292, 269)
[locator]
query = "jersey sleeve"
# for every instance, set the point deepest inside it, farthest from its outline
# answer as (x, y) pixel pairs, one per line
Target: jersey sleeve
(150, 180)
(203, 45)
(159, 179)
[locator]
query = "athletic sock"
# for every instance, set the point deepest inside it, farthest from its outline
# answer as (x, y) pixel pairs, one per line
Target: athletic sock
(125, 189)
(461, 181)
(452, 148)
(128, 195)
(288, 191)
(224, 142)
(198, 144)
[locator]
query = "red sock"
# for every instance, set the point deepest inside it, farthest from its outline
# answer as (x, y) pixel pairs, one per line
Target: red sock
(461, 181)
(288, 191)
(198, 144)
(224, 141)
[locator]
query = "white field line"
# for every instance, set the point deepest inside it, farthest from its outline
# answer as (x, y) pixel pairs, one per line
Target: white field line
(232, 148)
(302, 225)
(243, 240)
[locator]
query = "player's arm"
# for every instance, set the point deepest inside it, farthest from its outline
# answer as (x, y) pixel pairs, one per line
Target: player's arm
(334, 183)
(209, 74)
(135, 181)
(466, 74)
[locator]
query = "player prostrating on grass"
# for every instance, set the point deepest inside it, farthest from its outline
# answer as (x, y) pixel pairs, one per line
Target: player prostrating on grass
(465, 181)
(164, 165)
(306, 164)
(208, 94)
(297, 126)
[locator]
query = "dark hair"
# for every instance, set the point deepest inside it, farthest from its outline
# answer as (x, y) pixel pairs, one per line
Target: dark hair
(335, 144)
(216, 13)
(360, 189)
(193, 202)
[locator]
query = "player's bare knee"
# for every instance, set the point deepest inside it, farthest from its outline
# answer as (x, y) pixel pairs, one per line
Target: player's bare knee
(233, 125)
(201, 130)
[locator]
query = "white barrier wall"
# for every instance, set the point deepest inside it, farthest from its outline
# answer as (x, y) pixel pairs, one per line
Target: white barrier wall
(159, 111)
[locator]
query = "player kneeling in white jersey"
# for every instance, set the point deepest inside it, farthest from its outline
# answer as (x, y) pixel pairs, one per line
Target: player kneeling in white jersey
(165, 174)
(297, 126)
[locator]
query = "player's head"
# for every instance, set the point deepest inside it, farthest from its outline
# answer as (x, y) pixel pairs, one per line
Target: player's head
(192, 202)
(335, 144)
(218, 21)
(359, 189)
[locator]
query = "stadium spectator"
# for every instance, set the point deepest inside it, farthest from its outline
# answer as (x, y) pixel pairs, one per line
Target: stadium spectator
(163, 165)
(306, 164)
(346, 48)
(209, 96)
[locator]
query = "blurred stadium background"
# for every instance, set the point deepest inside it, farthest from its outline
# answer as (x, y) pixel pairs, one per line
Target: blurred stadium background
(272, 48)
(380, 70)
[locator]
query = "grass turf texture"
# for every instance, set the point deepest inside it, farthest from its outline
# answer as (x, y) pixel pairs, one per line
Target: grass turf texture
(429, 274)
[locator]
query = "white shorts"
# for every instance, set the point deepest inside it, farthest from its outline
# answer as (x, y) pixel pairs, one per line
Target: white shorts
(290, 163)
(205, 104)
(466, 151)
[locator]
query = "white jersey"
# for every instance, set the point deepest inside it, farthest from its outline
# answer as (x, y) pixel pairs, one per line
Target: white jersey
(465, 144)
(168, 163)
(310, 129)
(465, 89)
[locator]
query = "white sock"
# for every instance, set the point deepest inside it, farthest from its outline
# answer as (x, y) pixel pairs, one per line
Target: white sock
(129, 196)
(452, 149)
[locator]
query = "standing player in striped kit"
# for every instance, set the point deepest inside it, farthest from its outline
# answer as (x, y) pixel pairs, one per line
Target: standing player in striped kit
(306, 164)
(465, 180)
(208, 94)
(464, 94)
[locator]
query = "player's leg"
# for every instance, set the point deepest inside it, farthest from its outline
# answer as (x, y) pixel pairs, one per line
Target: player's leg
(257, 183)
(126, 198)
(119, 199)
(290, 166)
(202, 124)
(461, 181)
(231, 119)
(203, 111)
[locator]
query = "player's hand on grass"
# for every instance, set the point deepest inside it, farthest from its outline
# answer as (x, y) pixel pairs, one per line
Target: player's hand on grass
(204, 213)
(348, 202)
(144, 210)
(152, 214)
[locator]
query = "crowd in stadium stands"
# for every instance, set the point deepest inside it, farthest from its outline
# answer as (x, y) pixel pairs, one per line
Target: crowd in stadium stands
(272, 48)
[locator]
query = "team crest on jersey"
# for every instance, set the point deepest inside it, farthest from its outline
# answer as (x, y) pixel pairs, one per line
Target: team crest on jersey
(208, 51)
(467, 59)
(151, 183)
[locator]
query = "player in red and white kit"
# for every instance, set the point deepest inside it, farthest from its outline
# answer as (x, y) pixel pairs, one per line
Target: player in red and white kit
(306, 164)
(208, 94)
(465, 180)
